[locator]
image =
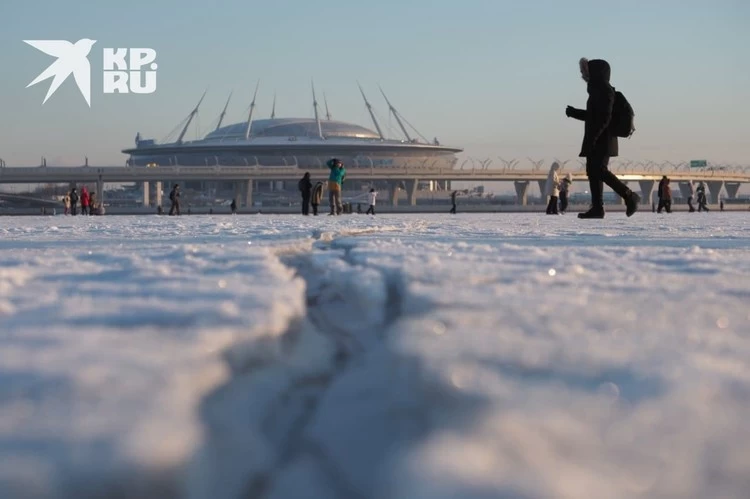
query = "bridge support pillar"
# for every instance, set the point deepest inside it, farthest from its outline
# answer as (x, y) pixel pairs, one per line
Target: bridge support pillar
(411, 191)
(542, 190)
(685, 190)
(249, 193)
(714, 187)
(647, 191)
(146, 194)
(238, 187)
(393, 189)
(159, 193)
(100, 190)
(732, 189)
(521, 188)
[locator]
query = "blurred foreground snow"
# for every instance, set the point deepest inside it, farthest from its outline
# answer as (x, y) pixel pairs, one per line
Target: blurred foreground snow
(411, 356)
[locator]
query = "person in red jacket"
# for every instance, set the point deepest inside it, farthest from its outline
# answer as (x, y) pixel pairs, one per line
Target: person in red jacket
(665, 195)
(85, 200)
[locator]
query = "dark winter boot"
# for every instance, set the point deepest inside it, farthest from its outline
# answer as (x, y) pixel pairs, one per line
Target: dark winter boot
(596, 187)
(632, 200)
(592, 213)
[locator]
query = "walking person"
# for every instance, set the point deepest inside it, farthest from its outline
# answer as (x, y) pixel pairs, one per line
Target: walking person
(85, 200)
(691, 208)
(174, 198)
(371, 197)
(665, 196)
(317, 197)
(92, 204)
(305, 187)
(335, 185)
(552, 189)
(660, 193)
(233, 206)
(66, 203)
(73, 201)
(599, 144)
(453, 202)
(564, 190)
(702, 204)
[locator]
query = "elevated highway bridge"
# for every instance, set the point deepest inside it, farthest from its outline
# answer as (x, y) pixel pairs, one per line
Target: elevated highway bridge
(397, 178)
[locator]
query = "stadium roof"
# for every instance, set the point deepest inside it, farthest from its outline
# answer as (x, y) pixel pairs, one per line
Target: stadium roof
(293, 127)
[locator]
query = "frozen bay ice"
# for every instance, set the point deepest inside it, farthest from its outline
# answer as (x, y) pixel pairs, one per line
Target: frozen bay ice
(396, 356)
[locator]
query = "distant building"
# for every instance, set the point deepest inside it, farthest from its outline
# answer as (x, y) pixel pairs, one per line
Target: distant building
(306, 143)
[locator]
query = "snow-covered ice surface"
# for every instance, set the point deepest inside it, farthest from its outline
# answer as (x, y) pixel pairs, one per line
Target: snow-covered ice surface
(404, 356)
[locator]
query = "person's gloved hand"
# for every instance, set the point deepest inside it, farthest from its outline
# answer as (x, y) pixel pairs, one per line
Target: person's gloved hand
(569, 111)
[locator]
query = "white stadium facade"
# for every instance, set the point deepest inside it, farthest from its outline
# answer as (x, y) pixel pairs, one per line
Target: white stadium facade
(305, 143)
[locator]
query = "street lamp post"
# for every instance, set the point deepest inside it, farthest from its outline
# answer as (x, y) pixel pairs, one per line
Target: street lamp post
(537, 164)
(509, 165)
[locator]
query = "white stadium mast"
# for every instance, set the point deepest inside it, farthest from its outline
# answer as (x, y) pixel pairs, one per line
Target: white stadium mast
(395, 114)
(315, 107)
(372, 115)
(328, 114)
(250, 115)
(190, 119)
(224, 112)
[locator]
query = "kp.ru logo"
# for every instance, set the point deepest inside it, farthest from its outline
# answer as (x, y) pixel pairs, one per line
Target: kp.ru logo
(120, 75)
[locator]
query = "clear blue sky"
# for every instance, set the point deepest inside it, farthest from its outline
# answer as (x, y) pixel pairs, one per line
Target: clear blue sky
(491, 76)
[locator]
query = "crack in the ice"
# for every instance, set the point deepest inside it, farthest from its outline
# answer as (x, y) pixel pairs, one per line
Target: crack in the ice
(304, 395)
(285, 421)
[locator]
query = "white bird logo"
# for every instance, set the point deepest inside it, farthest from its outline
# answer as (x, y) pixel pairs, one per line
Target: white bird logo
(71, 58)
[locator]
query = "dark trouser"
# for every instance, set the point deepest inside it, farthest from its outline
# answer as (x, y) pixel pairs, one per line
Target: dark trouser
(665, 204)
(334, 198)
(552, 206)
(305, 203)
(702, 203)
(315, 208)
(453, 209)
(563, 201)
(599, 174)
(84, 209)
(73, 210)
(370, 210)
(691, 208)
(175, 208)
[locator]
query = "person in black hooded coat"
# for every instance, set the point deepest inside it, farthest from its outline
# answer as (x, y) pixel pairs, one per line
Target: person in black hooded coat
(305, 187)
(599, 144)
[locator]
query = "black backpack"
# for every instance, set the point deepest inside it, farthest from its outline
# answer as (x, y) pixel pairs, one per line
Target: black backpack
(622, 117)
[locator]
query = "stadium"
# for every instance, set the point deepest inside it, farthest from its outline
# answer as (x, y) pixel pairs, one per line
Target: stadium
(305, 143)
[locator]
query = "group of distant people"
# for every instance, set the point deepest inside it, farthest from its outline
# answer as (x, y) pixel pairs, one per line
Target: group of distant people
(664, 194)
(86, 199)
(557, 190)
(312, 195)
